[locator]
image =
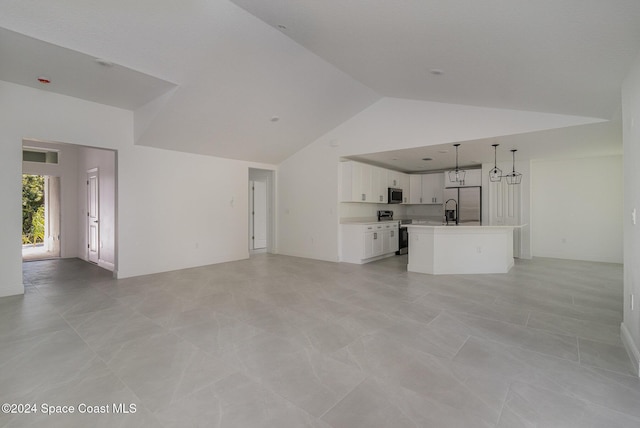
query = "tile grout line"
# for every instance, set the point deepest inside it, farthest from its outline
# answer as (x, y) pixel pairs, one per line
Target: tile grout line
(578, 349)
(108, 367)
(343, 397)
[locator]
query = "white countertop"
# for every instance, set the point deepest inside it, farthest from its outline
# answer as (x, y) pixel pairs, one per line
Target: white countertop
(365, 220)
(371, 220)
(450, 226)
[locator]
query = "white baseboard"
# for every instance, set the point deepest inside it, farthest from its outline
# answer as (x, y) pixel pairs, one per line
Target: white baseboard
(11, 290)
(307, 256)
(106, 265)
(631, 347)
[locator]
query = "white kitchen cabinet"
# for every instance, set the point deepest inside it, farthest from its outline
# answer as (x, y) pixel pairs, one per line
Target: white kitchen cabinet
(400, 180)
(363, 243)
(415, 189)
(472, 177)
(379, 188)
(425, 189)
(405, 185)
(393, 179)
(356, 182)
(390, 242)
(363, 183)
(432, 188)
(373, 245)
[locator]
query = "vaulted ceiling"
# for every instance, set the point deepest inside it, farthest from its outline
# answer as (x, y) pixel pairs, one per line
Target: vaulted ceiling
(259, 80)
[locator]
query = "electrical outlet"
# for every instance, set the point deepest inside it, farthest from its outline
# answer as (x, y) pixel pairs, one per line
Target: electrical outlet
(479, 250)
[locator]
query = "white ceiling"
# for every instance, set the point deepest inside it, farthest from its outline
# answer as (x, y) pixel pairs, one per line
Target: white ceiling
(25, 59)
(599, 139)
(557, 56)
(234, 71)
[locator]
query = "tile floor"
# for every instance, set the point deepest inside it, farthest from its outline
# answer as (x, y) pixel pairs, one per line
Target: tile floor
(277, 341)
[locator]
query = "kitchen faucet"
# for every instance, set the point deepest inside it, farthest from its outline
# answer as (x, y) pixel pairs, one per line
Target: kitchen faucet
(453, 214)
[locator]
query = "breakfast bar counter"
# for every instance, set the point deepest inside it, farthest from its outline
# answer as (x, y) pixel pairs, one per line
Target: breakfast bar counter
(460, 249)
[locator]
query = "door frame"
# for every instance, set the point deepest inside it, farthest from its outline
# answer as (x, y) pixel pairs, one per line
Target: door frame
(268, 175)
(93, 172)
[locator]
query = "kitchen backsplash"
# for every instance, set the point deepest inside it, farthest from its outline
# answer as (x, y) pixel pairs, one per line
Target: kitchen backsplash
(354, 209)
(424, 211)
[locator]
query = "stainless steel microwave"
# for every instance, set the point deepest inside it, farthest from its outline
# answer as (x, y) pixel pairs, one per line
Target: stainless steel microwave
(395, 196)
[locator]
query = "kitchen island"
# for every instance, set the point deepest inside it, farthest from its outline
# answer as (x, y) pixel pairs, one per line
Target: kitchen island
(460, 249)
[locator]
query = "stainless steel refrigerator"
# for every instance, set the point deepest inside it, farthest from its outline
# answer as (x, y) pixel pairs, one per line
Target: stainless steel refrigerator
(467, 203)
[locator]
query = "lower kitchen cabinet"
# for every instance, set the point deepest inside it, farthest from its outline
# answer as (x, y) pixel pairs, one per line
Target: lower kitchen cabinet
(363, 243)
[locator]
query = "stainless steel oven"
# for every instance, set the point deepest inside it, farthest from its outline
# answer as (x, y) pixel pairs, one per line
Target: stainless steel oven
(403, 237)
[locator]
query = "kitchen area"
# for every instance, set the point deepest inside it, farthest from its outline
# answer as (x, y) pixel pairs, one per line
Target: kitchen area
(434, 217)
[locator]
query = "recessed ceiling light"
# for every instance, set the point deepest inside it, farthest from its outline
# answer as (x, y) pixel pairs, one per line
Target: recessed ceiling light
(275, 119)
(394, 158)
(427, 159)
(436, 71)
(44, 80)
(282, 27)
(443, 151)
(104, 62)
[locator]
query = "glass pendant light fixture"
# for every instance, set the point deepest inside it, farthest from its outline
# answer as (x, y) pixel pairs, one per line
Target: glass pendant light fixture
(495, 174)
(457, 175)
(514, 177)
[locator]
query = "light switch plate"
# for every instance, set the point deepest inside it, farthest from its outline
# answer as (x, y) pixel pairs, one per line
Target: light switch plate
(633, 216)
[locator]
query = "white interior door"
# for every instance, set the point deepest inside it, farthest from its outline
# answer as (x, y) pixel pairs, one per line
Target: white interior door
(93, 216)
(259, 215)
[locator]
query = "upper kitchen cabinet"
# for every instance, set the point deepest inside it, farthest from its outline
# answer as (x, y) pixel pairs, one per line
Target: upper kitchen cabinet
(432, 188)
(399, 180)
(393, 179)
(425, 189)
(472, 177)
(415, 189)
(405, 185)
(355, 182)
(363, 183)
(379, 186)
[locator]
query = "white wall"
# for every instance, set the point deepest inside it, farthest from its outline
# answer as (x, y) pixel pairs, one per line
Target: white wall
(175, 210)
(576, 208)
(105, 161)
(308, 180)
(522, 236)
(178, 210)
(66, 169)
(631, 136)
(308, 211)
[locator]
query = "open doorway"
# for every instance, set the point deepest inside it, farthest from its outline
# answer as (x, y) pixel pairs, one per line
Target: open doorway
(78, 188)
(260, 210)
(40, 217)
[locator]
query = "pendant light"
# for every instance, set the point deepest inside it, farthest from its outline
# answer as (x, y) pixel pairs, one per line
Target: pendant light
(514, 177)
(457, 175)
(495, 174)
